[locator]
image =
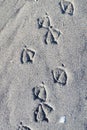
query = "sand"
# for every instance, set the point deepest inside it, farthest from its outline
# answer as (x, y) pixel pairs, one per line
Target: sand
(43, 65)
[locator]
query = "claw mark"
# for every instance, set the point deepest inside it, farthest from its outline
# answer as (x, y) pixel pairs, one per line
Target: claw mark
(52, 34)
(59, 76)
(66, 7)
(21, 127)
(40, 92)
(40, 114)
(27, 55)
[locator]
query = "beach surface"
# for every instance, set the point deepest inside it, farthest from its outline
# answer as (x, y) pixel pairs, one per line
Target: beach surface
(43, 64)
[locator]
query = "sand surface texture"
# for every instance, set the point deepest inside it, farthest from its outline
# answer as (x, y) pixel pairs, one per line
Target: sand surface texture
(43, 64)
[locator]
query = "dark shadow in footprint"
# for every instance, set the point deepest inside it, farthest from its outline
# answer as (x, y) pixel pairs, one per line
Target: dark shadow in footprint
(66, 7)
(85, 126)
(52, 36)
(27, 55)
(40, 115)
(22, 127)
(44, 22)
(55, 34)
(48, 38)
(59, 76)
(86, 98)
(40, 22)
(40, 93)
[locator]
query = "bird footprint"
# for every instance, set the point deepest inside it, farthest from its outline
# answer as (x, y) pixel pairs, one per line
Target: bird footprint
(27, 55)
(40, 115)
(66, 7)
(40, 92)
(43, 108)
(22, 127)
(59, 76)
(52, 34)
